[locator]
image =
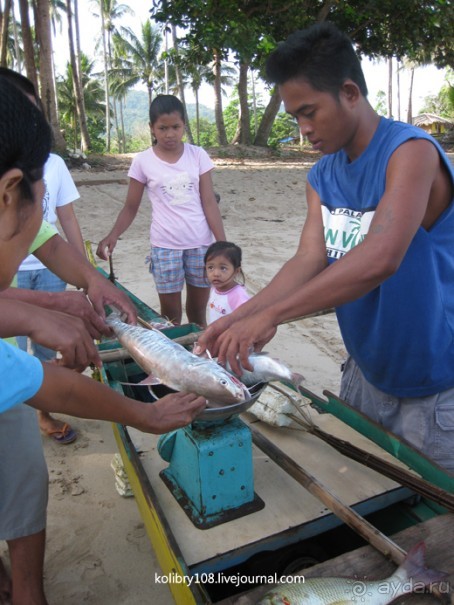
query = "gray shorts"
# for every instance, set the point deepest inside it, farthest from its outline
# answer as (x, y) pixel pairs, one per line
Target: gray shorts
(427, 423)
(23, 474)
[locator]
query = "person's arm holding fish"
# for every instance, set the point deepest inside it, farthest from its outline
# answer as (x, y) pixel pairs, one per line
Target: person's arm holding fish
(126, 216)
(70, 393)
(59, 331)
(253, 324)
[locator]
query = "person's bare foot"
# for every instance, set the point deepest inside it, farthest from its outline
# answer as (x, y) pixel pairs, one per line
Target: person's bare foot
(5, 586)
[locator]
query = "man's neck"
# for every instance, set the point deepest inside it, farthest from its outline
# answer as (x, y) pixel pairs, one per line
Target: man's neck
(367, 125)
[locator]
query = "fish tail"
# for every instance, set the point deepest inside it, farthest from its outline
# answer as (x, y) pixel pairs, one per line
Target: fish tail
(297, 379)
(415, 567)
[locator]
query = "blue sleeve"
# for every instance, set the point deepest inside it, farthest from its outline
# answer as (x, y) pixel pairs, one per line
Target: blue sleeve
(21, 376)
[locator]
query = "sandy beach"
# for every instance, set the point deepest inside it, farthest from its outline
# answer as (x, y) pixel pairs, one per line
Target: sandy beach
(97, 548)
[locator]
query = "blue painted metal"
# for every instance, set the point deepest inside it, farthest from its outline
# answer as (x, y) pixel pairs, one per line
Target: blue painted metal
(210, 470)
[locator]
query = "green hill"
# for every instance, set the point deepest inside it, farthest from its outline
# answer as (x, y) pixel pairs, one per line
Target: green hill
(135, 111)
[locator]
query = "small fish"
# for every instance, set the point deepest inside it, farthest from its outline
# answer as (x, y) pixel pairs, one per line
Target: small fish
(267, 369)
(411, 576)
(171, 364)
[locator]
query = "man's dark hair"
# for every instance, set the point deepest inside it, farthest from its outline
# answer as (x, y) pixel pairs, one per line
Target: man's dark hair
(165, 104)
(25, 136)
(322, 55)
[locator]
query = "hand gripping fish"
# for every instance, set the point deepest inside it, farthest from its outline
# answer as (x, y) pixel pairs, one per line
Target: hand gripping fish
(171, 364)
(411, 576)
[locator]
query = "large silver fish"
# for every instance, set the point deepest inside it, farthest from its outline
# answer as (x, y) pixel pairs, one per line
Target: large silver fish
(171, 364)
(411, 576)
(267, 369)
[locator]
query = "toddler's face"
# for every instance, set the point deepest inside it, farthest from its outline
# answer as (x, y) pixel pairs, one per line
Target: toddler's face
(221, 273)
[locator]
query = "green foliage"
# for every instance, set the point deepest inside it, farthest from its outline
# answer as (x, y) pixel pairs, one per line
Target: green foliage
(442, 104)
(420, 29)
(380, 106)
(284, 127)
(94, 106)
(207, 132)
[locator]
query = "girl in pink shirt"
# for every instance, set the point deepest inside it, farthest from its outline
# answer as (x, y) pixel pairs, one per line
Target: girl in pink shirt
(223, 266)
(185, 215)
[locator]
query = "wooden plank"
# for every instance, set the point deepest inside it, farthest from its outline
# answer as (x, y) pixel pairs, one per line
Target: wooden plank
(351, 481)
(367, 563)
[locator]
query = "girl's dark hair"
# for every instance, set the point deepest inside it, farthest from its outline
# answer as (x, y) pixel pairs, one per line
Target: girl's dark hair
(25, 137)
(322, 55)
(227, 249)
(165, 104)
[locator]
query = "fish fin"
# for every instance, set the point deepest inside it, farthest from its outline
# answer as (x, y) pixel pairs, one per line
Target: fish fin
(415, 566)
(150, 380)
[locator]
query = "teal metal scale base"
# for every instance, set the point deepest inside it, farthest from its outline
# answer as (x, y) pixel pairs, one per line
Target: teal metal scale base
(210, 470)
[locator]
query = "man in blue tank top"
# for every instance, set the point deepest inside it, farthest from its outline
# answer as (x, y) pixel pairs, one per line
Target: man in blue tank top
(377, 245)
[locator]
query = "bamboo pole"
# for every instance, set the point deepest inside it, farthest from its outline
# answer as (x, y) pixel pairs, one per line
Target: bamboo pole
(347, 514)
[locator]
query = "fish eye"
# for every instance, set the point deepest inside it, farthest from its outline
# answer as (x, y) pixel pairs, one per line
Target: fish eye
(223, 381)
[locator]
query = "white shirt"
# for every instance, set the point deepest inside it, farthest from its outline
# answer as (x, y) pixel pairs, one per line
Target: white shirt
(59, 191)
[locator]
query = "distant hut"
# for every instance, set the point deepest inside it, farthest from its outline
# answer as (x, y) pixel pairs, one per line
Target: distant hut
(433, 124)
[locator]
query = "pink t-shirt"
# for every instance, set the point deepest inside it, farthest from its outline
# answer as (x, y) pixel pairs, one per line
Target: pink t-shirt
(177, 218)
(223, 303)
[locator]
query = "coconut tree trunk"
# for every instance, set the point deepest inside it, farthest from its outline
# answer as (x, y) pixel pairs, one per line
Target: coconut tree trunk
(18, 65)
(106, 75)
(180, 84)
(390, 87)
(243, 131)
(410, 97)
(80, 107)
(266, 123)
(47, 84)
(27, 41)
(197, 114)
(4, 33)
(222, 135)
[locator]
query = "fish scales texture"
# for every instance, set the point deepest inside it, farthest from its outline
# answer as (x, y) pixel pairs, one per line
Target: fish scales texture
(176, 367)
(411, 576)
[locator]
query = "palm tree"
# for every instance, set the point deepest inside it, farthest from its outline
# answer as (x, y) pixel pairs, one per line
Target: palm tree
(140, 57)
(93, 98)
(27, 41)
(5, 32)
(77, 86)
(109, 11)
(46, 75)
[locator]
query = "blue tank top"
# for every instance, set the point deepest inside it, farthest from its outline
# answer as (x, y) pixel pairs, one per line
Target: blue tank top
(401, 334)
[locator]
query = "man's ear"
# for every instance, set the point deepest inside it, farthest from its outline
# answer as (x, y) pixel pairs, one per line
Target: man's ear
(351, 91)
(9, 202)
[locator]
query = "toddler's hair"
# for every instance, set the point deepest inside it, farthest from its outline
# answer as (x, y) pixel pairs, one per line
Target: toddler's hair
(165, 104)
(227, 249)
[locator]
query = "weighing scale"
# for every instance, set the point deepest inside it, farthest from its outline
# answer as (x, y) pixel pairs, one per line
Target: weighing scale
(210, 470)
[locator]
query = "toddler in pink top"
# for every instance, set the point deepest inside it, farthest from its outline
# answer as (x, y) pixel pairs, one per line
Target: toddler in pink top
(223, 266)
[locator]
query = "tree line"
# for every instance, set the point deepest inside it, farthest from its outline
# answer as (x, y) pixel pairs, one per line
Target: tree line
(185, 44)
